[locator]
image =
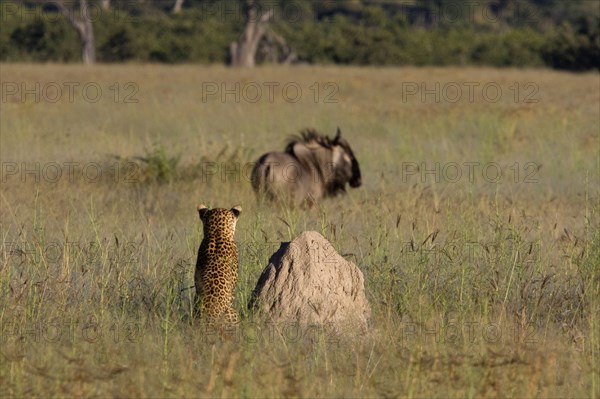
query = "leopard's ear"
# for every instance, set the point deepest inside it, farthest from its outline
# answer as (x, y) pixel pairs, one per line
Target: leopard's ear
(202, 209)
(236, 210)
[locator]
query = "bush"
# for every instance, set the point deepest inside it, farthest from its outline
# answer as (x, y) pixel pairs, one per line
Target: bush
(159, 166)
(575, 48)
(341, 35)
(512, 48)
(42, 40)
(120, 46)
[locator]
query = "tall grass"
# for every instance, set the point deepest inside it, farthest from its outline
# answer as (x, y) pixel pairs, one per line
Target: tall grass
(479, 287)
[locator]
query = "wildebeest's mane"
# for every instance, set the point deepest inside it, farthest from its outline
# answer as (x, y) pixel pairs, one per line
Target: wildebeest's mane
(308, 136)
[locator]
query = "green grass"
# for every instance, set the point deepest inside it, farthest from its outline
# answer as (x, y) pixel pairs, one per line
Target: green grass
(478, 288)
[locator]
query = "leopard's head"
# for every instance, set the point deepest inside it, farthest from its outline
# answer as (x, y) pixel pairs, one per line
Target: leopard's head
(219, 222)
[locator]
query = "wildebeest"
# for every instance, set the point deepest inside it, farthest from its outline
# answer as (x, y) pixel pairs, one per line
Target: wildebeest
(311, 167)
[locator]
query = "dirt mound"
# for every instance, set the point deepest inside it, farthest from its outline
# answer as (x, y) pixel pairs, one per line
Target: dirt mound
(309, 283)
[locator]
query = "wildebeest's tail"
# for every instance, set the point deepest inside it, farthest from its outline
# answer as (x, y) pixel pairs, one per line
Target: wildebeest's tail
(260, 174)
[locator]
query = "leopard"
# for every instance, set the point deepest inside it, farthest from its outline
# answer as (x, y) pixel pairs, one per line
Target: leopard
(217, 266)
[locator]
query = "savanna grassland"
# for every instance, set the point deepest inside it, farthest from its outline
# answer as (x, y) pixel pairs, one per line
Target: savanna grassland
(476, 227)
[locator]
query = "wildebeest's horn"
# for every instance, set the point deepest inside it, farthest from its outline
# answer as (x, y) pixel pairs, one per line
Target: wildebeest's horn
(338, 135)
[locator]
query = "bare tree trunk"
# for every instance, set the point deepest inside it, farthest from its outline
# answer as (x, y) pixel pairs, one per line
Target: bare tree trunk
(276, 49)
(83, 26)
(243, 52)
(177, 6)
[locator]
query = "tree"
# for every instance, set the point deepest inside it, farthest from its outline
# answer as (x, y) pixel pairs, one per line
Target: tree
(243, 52)
(83, 26)
(177, 6)
(257, 37)
(275, 49)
